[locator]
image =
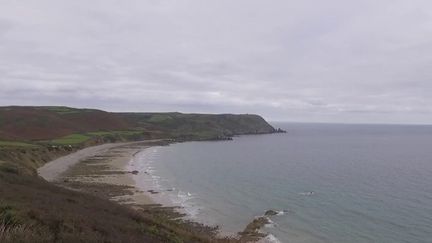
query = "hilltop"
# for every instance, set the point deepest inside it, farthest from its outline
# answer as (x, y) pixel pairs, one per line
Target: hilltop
(44, 124)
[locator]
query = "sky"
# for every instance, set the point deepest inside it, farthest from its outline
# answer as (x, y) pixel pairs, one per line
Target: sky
(345, 61)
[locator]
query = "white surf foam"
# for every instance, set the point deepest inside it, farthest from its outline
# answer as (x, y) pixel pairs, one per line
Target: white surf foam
(269, 239)
(270, 223)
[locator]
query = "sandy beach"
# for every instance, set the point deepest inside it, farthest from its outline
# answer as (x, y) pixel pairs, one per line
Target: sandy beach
(101, 170)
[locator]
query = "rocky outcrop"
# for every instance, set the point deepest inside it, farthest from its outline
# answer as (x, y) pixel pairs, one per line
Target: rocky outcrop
(252, 231)
(270, 213)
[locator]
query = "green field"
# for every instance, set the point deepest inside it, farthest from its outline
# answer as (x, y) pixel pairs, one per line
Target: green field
(156, 118)
(121, 133)
(71, 139)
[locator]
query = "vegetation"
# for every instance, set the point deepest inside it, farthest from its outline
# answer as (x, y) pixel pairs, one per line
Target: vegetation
(8, 168)
(119, 135)
(65, 110)
(160, 118)
(15, 144)
(25, 160)
(34, 209)
(200, 126)
(71, 139)
(110, 133)
(64, 125)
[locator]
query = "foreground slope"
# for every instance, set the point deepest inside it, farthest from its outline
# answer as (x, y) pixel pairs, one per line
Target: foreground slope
(33, 210)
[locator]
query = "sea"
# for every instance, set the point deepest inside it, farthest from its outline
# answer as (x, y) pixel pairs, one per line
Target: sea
(332, 183)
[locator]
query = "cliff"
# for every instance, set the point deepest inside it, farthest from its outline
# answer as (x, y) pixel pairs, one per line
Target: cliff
(200, 126)
(33, 124)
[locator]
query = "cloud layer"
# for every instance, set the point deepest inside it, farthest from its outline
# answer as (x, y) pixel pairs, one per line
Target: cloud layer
(336, 60)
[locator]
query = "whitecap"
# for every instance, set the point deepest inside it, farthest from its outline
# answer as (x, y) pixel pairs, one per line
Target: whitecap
(311, 193)
(269, 239)
(270, 223)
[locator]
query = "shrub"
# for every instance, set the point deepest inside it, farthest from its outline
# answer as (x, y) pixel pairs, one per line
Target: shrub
(8, 168)
(8, 216)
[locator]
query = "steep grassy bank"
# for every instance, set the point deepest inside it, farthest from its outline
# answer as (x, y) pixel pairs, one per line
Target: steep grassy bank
(32, 210)
(25, 160)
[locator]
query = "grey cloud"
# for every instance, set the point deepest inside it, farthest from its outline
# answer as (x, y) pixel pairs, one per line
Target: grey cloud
(332, 61)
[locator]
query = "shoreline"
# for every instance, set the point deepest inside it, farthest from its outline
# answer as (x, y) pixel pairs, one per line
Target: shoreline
(54, 169)
(105, 174)
(104, 171)
(101, 170)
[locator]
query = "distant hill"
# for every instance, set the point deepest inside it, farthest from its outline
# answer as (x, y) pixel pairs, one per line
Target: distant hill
(41, 123)
(206, 126)
(48, 123)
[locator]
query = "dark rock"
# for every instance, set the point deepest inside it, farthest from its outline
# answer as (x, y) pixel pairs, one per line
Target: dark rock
(135, 172)
(153, 191)
(279, 130)
(270, 213)
(251, 233)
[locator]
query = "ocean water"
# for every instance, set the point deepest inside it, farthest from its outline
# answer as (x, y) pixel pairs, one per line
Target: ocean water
(331, 183)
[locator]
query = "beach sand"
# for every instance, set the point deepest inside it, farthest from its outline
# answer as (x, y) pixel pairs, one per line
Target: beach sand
(101, 170)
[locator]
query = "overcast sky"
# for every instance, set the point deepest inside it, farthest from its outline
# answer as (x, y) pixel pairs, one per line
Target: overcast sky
(317, 61)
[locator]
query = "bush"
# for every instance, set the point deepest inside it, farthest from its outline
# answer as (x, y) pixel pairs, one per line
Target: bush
(8, 216)
(8, 168)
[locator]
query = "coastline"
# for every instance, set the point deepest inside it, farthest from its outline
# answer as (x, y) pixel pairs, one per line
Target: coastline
(65, 179)
(105, 171)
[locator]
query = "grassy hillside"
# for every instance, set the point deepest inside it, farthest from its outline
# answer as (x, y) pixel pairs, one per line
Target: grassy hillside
(64, 125)
(200, 126)
(44, 123)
